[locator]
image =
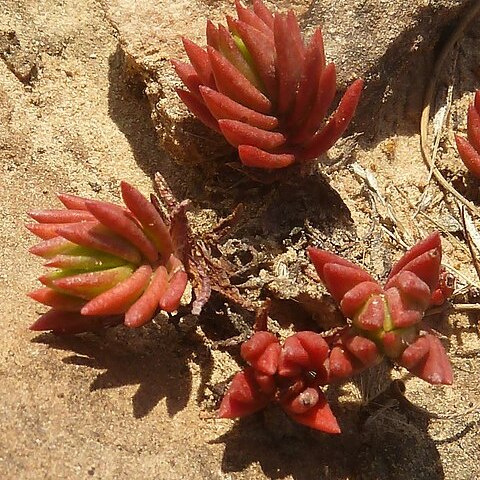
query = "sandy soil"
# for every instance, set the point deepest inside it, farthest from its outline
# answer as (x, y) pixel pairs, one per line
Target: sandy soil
(141, 404)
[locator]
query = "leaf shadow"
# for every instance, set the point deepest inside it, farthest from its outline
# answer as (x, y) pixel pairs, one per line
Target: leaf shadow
(275, 203)
(298, 452)
(380, 439)
(155, 359)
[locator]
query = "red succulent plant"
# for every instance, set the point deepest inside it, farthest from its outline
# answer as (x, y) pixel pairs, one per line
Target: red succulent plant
(111, 264)
(264, 89)
(387, 320)
(469, 148)
(290, 374)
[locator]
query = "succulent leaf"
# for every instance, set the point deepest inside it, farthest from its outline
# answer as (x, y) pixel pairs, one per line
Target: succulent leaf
(320, 417)
(469, 148)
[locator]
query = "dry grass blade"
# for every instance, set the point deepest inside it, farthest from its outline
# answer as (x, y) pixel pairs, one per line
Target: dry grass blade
(388, 217)
(429, 94)
(470, 234)
(444, 231)
(438, 124)
(453, 307)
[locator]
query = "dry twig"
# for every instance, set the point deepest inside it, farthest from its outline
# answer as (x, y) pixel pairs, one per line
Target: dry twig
(429, 94)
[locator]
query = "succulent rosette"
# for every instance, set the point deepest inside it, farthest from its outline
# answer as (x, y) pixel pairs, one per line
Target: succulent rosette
(469, 148)
(290, 374)
(258, 84)
(387, 320)
(110, 264)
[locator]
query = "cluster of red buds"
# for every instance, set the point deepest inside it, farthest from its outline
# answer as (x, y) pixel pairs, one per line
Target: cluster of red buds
(469, 148)
(384, 321)
(291, 374)
(268, 93)
(387, 320)
(111, 264)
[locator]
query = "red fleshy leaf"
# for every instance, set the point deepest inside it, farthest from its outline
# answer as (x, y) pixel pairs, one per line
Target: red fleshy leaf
(115, 218)
(469, 156)
(295, 34)
(255, 157)
(119, 298)
(415, 353)
(63, 323)
(432, 242)
(261, 48)
(262, 352)
(357, 297)
(320, 258)
(363, 349)
(170, 300)
(309, 84)
(52, 247)
(319, 417)
(372, 316)
(57, 300)
(96, 236)
(304, 401)
(199, 109)
(413, 287)
(229, 49)
(266, 383)
(324, 95)
(401, 311)
(473, 127)
(232, 83)
(72, 202)
(316, 347)
(200, 61)
(223, 107)
(289, 62)
(60, 216)
(339, 279)
(90, 284)
(293, 357)
(264, 13)
(238, 133)
(212, 35)
(336, 126)
(144, 308)
(340, 363)
(45, 231)
(190, 79)
(92, 260)
(251, 18)
(149, 217)
(243, 396)
(435, 368)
